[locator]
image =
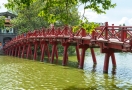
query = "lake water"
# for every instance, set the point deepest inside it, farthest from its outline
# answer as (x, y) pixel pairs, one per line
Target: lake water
(24, 74)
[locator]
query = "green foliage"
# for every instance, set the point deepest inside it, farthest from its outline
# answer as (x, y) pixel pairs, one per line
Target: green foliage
(96, 5)
(99, 6)
(61, 11)
(88, 26)
(42, 14)
(28, 19)
(2, 21)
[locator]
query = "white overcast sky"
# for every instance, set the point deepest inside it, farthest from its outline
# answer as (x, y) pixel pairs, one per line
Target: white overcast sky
(122, 13)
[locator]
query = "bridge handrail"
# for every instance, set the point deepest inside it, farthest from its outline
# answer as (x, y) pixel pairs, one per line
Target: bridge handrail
(120, 33)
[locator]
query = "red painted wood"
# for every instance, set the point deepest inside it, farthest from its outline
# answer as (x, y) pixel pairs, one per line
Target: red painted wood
(106, 30)
(82, 58)
(23, 51)
(107, 38)
(35, 51)
(56, 54)
(48, 52)
(113, 59)
(93, 56)
(42, 52)
(106, 63)
(53, 52)
(78, 54)
(28, 50)
(19, 51)
(16, 50)
(65, 54)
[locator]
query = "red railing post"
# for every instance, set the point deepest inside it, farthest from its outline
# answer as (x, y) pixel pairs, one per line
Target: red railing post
(113, 31)
(125, 33)
(93, 35)
(122, 34)
(106, 30)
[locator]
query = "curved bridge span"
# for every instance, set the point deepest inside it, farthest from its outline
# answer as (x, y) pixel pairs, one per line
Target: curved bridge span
(109, 39)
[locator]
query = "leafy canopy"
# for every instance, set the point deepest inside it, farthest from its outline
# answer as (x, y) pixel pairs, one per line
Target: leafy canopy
(2, 21)
(35, 17)
(60, 10)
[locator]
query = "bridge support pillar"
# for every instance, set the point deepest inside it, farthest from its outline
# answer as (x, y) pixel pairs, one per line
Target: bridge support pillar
(44, 47)
(113, 60)
(48, 52)
(84, 48)
(93, 56)
(78, 55)
(106, 63)
(19, 50)
(16, 51)
(56, 54)
(42, 51)
(23, 51)
(29, 52)
(65, 54)
(109, 53)
(54, 46)
(35, 50)
(12, 51)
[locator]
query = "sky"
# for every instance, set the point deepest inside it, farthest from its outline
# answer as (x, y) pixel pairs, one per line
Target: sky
(121, 14)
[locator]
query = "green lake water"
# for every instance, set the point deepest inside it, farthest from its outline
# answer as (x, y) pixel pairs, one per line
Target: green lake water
(24, 74)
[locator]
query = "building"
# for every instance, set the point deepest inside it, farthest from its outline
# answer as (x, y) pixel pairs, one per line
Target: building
(8, 32)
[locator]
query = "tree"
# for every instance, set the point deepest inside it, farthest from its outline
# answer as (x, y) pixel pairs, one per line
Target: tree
(28, 19)
(96, 5)
(58, 10)
(2, 22)
(34, 17)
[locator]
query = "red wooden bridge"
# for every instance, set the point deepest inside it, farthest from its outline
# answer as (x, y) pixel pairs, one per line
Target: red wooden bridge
(109, 39)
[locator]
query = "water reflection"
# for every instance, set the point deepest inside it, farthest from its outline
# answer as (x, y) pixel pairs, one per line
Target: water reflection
(118, 77)
(23, 74)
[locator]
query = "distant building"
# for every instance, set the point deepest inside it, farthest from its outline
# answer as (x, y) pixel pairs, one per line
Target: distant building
(8, 32)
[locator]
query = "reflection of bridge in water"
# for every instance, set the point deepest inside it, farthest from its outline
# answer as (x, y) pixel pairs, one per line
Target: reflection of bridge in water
(109, 39)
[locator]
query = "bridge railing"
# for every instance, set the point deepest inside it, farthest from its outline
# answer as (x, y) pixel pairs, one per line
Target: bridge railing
(114, 33)
(122, 34)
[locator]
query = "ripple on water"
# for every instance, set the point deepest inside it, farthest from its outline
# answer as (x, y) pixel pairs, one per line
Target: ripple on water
(24, 74)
